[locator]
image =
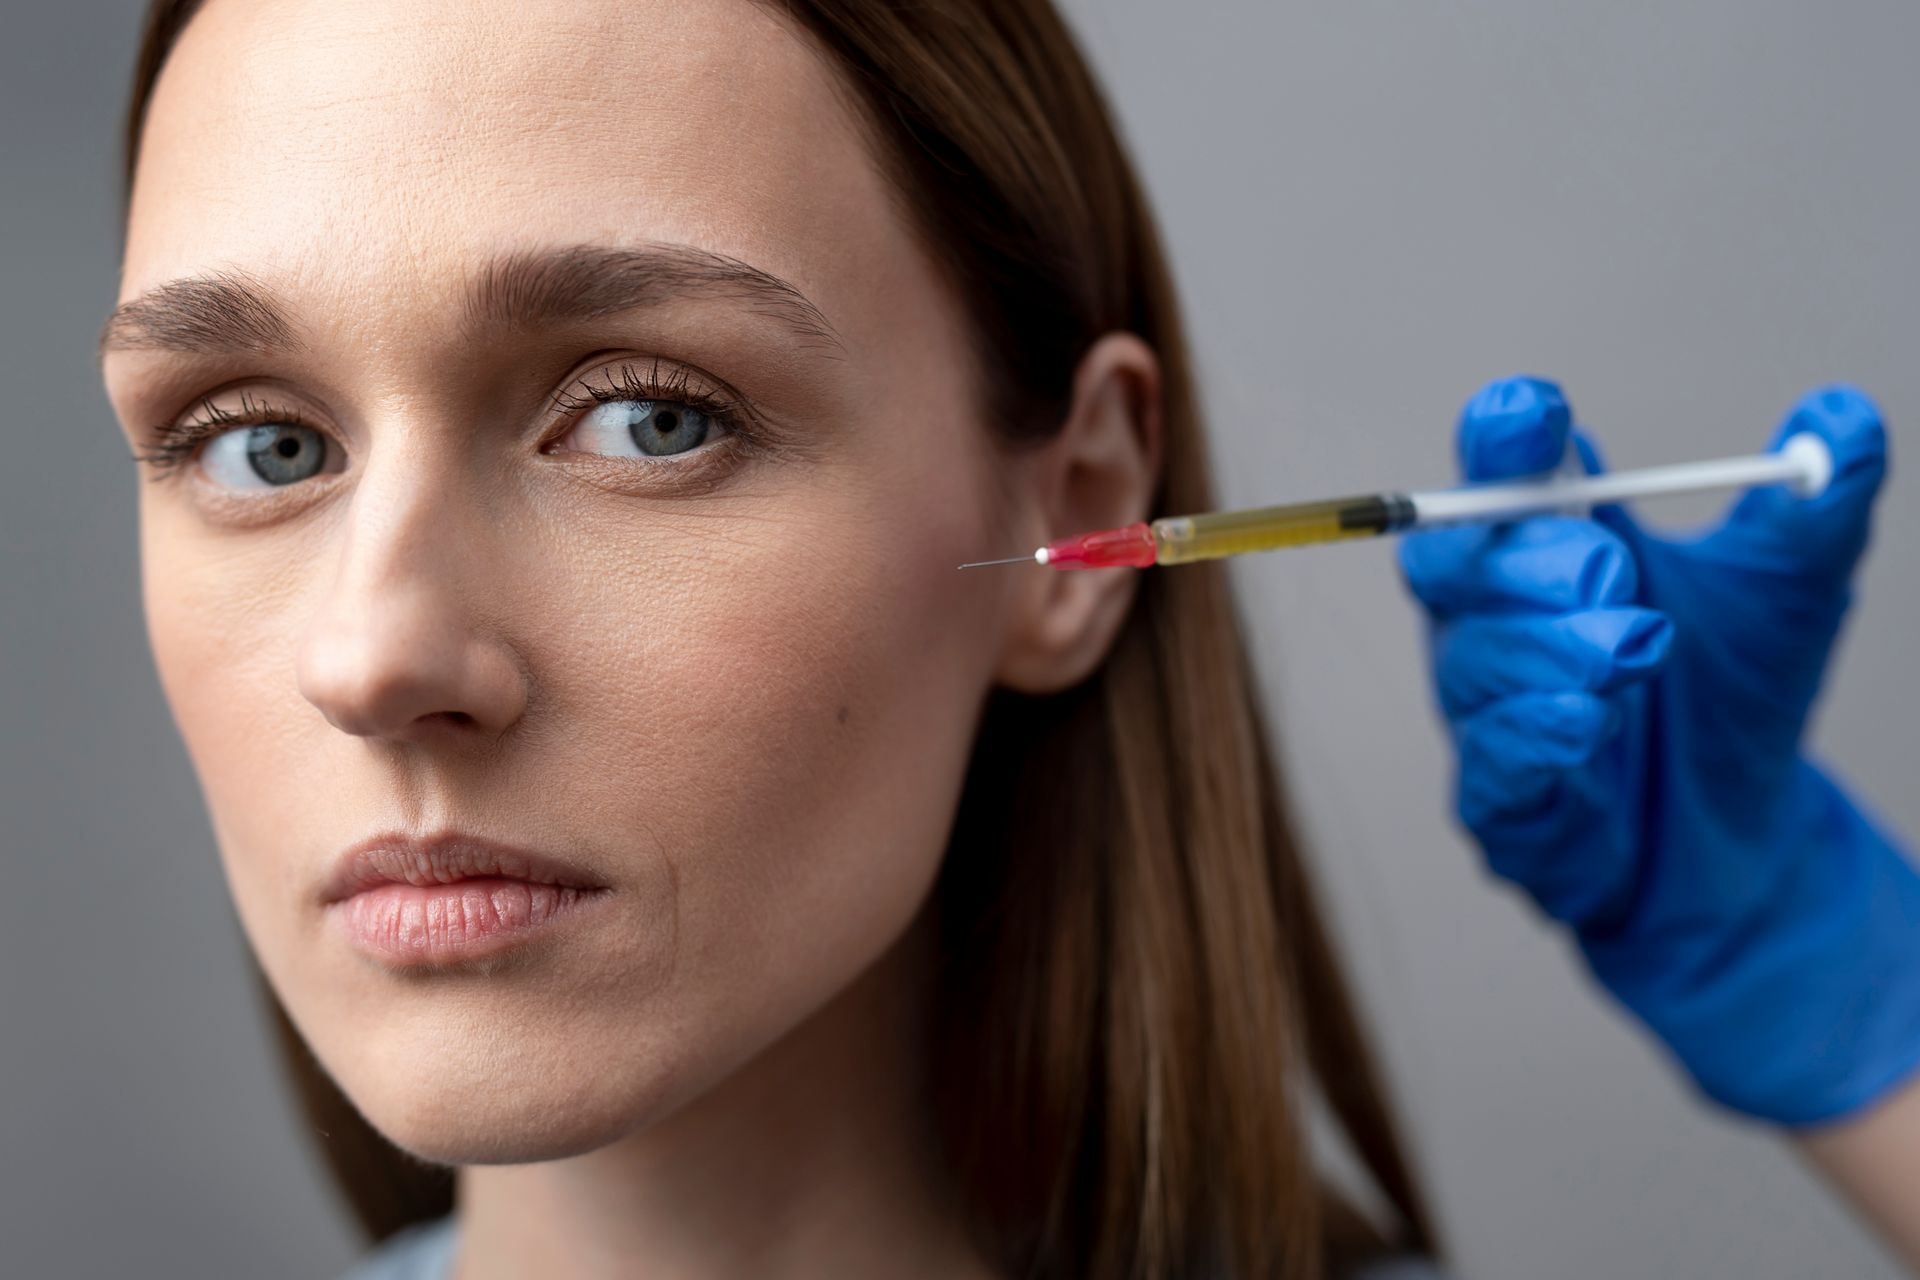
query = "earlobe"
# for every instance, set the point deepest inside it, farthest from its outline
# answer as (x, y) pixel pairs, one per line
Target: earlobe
(1099, 471)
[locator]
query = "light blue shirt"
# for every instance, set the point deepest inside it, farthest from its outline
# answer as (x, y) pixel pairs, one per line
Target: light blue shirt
(424, 1251)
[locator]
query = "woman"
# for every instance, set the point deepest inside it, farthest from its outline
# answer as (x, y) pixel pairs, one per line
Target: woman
(586, 471)
(562, 420)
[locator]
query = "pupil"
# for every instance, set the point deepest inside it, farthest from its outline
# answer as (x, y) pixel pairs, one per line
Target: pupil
(287, 447)
(665, 422)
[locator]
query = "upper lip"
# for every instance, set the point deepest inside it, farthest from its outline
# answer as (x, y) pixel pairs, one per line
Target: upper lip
(398, 857)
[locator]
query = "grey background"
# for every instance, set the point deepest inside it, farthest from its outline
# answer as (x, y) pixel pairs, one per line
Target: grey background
(1687, 213)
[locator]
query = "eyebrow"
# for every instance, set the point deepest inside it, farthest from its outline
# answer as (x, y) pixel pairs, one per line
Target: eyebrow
(230, 311)
(532, 288)
(222, 311)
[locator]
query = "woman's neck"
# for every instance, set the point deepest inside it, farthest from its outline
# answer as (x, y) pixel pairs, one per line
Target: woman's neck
(814, 1159)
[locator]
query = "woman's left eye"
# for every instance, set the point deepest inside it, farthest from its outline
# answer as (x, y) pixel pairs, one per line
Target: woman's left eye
(644, 428)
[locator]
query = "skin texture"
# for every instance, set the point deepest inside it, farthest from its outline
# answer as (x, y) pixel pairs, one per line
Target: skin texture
(1873, 1160)
(739, 688)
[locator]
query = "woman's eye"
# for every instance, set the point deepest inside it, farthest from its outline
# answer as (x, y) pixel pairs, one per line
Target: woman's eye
(655, 428)
(270, 455)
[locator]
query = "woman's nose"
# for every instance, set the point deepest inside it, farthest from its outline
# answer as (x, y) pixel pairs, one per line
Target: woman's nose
(405, 644)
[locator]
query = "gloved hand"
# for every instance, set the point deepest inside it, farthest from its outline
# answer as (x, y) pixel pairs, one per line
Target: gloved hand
(1628, 711)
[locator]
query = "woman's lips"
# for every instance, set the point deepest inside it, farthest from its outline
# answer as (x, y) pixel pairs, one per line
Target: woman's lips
(449, 897)
(428, 924)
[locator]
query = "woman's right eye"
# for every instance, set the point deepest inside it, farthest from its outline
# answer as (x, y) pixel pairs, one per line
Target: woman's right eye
(269, 455)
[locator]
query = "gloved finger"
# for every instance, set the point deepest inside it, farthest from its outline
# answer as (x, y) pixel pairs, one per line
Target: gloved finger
(1773, 528)
(1535, 790)
(1512, 752)
(1481, 658)
(1549, 563)
(1513, 427)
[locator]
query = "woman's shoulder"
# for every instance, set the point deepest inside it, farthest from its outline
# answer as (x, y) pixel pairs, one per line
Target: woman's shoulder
(423, 1251)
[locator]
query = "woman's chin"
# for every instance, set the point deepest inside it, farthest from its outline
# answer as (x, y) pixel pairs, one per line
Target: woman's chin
(459, 1108)
(533, 1139)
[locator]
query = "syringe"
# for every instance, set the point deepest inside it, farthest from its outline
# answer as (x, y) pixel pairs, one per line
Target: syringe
(1803, 462)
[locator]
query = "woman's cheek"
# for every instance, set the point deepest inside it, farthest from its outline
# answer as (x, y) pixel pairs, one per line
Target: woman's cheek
(803, 725)
(218, 626)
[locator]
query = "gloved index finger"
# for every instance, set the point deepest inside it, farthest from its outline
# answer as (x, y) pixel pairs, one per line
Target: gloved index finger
(1544, 563)
(1513, 427)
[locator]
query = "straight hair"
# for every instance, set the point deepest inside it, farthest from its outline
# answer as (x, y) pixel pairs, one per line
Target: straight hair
(1137, 992)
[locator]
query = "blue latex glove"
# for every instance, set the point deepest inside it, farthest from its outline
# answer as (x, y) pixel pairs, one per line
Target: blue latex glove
(1628, 711)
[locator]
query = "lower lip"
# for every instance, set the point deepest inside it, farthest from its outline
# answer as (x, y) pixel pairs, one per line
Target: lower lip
(465, 920)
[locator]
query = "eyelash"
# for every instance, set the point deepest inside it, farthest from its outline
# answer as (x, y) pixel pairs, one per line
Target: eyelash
(675, 384)
(176, 443)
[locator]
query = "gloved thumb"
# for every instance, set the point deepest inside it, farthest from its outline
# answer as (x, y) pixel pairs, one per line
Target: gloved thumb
(1825, 535)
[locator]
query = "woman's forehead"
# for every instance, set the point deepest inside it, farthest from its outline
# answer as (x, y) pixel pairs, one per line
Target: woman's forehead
(384, 140)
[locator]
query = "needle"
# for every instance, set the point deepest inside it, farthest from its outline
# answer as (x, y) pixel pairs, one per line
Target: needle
(981, 564)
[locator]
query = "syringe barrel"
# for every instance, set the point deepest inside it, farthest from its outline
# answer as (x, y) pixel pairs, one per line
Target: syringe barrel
(1181, 539)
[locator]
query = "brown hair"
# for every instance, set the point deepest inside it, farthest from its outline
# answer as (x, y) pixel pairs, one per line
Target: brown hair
(1136, 982)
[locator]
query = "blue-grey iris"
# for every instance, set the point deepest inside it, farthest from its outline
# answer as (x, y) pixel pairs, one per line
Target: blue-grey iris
(661, 427)
(285, 452)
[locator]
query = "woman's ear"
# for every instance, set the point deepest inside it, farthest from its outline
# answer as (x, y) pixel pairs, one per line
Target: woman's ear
(1100, 471)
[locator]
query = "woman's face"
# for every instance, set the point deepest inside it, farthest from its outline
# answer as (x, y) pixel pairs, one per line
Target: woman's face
(420, 267)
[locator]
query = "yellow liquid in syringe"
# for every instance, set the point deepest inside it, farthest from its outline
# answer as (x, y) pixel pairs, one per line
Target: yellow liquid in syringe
(1182, 539)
